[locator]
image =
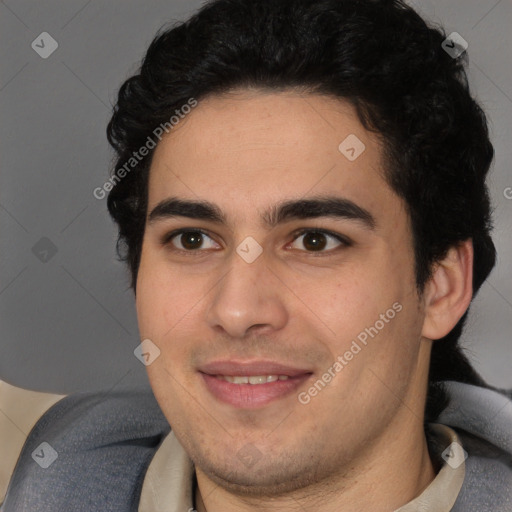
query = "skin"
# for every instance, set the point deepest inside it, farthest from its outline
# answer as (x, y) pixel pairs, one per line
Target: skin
(358, 444)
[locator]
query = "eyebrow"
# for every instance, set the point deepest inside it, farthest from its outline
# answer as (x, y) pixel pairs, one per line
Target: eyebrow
(329, 206)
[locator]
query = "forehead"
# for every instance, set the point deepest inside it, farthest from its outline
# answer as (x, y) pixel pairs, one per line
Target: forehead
(246, 150)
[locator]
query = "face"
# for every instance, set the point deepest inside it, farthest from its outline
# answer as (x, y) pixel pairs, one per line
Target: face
(285, 310)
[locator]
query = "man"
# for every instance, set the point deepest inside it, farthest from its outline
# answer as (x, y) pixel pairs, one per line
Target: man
(301, 202)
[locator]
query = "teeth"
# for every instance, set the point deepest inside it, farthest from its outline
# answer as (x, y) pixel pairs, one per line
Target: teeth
(259, 379)
(252, 379)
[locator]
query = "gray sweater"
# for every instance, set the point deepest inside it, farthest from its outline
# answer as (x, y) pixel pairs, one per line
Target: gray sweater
(103, 444)
(483, 420)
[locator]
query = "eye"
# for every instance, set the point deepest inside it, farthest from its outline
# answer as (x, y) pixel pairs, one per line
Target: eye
(315, 240)
(188, 240)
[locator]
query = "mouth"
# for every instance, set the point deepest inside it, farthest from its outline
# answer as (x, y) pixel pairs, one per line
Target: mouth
(252, 379)
(250, 385)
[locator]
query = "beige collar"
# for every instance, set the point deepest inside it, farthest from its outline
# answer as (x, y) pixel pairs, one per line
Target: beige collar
(168, 484)
(442, 492)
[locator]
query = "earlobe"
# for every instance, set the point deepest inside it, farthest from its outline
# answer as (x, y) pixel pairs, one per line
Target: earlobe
(449, 291)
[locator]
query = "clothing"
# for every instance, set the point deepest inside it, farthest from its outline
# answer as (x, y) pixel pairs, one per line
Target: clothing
(484, 418)
(19, 411)
(115, 452)
(104, 443)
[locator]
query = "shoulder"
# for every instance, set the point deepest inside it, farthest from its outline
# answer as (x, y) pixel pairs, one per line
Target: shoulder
(88, 450)
(482, 418)
(20, 409)
(488, 481)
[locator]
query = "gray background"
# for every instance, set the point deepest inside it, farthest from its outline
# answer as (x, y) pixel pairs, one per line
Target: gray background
(68, 324)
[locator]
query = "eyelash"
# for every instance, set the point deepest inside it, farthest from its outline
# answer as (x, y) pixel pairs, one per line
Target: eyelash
(345, 242)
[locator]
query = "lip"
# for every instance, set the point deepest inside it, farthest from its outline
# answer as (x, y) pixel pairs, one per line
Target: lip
(246, 368)
(251, 396)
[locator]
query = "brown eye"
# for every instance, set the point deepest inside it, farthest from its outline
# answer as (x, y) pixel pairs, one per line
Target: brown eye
(189, 240)
(320, 241)
(314, 241)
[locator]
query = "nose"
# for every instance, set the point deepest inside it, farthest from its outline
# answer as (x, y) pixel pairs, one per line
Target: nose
(248, 298)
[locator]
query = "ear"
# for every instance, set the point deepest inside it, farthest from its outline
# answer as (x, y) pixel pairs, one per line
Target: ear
(449, 291)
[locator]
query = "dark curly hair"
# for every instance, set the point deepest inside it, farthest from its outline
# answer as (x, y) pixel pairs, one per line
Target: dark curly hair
(380, 56)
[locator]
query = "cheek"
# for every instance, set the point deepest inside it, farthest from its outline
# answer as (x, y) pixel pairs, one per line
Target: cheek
(168, 307)
(355, 302)
(373, 307)
(163, 298)
(162, 309)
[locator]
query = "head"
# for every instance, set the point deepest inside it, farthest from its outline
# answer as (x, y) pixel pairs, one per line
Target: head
(273, 89)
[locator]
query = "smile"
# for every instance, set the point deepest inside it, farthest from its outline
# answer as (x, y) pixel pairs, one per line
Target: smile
(251, 379)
